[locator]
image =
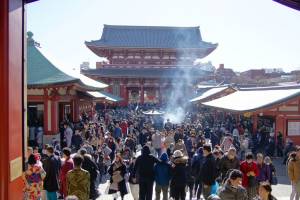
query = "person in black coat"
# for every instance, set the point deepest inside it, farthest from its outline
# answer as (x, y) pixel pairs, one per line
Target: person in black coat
(77, 140)
(144, 173)
(209, 171)
(179, 175)
(90, 166)
(117, 172)
(51, 167)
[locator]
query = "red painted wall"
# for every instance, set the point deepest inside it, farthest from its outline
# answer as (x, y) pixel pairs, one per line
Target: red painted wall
(11, 120)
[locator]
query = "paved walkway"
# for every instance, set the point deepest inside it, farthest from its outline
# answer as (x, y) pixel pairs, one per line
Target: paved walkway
(280, 191)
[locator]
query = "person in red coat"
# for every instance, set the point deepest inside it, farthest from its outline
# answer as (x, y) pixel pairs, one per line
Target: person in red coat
(124, 127)
(250, 172)
(65, 168)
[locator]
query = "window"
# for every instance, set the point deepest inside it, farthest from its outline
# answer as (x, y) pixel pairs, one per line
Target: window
(293, 127)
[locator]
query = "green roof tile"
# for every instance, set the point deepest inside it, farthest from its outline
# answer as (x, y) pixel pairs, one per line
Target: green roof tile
(40, 71)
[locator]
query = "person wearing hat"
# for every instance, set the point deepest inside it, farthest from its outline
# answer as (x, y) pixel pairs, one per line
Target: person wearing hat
(179, 176)
(181, 146)
(233, 189)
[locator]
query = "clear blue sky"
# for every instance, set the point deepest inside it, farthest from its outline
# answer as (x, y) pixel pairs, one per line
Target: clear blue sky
(250, 33)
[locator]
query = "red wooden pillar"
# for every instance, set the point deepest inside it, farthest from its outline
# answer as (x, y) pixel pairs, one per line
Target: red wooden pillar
(11, 87)
(46, 98)
(75, 109)
(54, 115)
(255, 122)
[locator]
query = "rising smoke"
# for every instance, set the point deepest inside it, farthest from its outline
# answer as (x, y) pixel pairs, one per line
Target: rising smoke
(178, 99)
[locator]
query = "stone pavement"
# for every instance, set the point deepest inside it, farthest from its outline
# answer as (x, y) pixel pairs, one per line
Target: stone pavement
(280, 191)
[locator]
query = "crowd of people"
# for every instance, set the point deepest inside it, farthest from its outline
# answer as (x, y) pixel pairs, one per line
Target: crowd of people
(211, 158)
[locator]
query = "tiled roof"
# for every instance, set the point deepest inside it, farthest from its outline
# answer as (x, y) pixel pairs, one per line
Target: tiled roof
(148, 72)
(40, 71)
(151, 37)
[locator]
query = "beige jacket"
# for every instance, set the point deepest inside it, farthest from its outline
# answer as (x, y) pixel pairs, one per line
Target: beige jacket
(294, 170)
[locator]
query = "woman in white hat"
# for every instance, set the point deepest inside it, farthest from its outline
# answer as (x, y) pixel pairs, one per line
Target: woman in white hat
(179, 177)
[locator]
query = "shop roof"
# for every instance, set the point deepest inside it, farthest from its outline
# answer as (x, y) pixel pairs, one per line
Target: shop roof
(251, 99)
(209, 93)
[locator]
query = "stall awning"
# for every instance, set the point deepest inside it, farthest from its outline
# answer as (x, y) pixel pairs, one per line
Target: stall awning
(251, 100)
(209, 93)
(105, 95)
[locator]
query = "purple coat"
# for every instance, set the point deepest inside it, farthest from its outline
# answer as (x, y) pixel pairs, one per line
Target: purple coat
(265, 173)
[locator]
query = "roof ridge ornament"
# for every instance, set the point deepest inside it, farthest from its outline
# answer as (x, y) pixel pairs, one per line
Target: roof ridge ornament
(31, 41)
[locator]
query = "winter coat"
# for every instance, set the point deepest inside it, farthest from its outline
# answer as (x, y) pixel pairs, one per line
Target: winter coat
(117, 133)
(66, 167)
(264, 173)
(162, 171)
(181, 147)
(144, 166)
(124, 127)
(227, 164)
(51, 166)
(77, 141)
(227, 192)
(208, 172)
(179, 175)
(178, 136)
(294, 170)
(89, 165)
(118, 170)
(78, 183)
(197, 162)
(189, 145)
(156, 141)
(245, 168)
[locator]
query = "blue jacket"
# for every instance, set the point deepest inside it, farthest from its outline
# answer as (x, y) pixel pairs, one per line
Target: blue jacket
(117, 133)
(162, 171)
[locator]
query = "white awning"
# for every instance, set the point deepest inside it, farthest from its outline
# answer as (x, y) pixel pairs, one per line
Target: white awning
(105, 95)
(90, 82)
(209, 93)
(250, 100)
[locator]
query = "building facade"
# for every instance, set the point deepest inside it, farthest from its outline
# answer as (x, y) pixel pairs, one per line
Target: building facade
(146, 62)
(54, 96)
